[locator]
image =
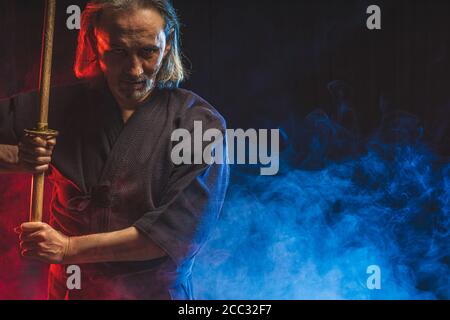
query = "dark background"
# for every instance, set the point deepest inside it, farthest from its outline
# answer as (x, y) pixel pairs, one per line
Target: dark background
(262, 64)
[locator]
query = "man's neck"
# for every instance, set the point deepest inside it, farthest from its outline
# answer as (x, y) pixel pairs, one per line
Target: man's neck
(126, 114)
(128, 110)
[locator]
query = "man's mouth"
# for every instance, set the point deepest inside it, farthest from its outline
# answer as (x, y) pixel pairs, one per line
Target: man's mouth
(134, 84)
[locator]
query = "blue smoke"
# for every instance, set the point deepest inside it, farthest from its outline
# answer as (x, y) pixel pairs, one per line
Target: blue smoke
(339, 206)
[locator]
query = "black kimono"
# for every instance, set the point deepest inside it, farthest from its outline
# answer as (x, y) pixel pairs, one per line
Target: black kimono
(108, 176)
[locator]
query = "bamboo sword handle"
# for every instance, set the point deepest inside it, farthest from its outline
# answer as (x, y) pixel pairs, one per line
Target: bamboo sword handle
(41, 130)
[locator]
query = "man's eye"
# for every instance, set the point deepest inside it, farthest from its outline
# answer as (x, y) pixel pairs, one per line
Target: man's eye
(117, 51)
(148, 51)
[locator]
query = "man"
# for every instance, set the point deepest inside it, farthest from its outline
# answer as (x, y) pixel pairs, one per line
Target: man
(121, 210)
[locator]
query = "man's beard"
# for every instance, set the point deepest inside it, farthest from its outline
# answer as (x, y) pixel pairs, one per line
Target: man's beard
(137, 88)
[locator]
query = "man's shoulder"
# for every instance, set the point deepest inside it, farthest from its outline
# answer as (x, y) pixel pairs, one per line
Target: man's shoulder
(187, 96)
(189, 106)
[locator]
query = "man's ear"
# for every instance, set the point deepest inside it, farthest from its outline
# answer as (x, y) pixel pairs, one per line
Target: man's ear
(169, 41)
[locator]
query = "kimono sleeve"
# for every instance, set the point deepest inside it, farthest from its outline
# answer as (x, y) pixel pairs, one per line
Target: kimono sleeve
(192, 202)
(16, 114)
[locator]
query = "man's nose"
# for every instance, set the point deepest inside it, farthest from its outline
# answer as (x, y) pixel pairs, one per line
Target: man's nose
(134, 67)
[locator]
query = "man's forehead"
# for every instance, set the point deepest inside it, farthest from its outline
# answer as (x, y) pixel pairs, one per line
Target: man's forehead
(135, 23)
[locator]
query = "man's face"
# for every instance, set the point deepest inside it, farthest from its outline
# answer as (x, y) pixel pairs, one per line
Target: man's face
(131, 46)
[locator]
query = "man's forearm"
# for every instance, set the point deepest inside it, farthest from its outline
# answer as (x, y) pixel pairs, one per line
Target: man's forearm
(124, 245)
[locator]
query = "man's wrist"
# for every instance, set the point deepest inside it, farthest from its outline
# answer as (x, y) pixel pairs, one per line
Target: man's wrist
(66, 251)
(84, 249)
(71, 252)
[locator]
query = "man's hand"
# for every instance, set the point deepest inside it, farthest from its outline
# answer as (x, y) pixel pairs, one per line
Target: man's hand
(35, 153)
(41, 242)
(9, 158)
